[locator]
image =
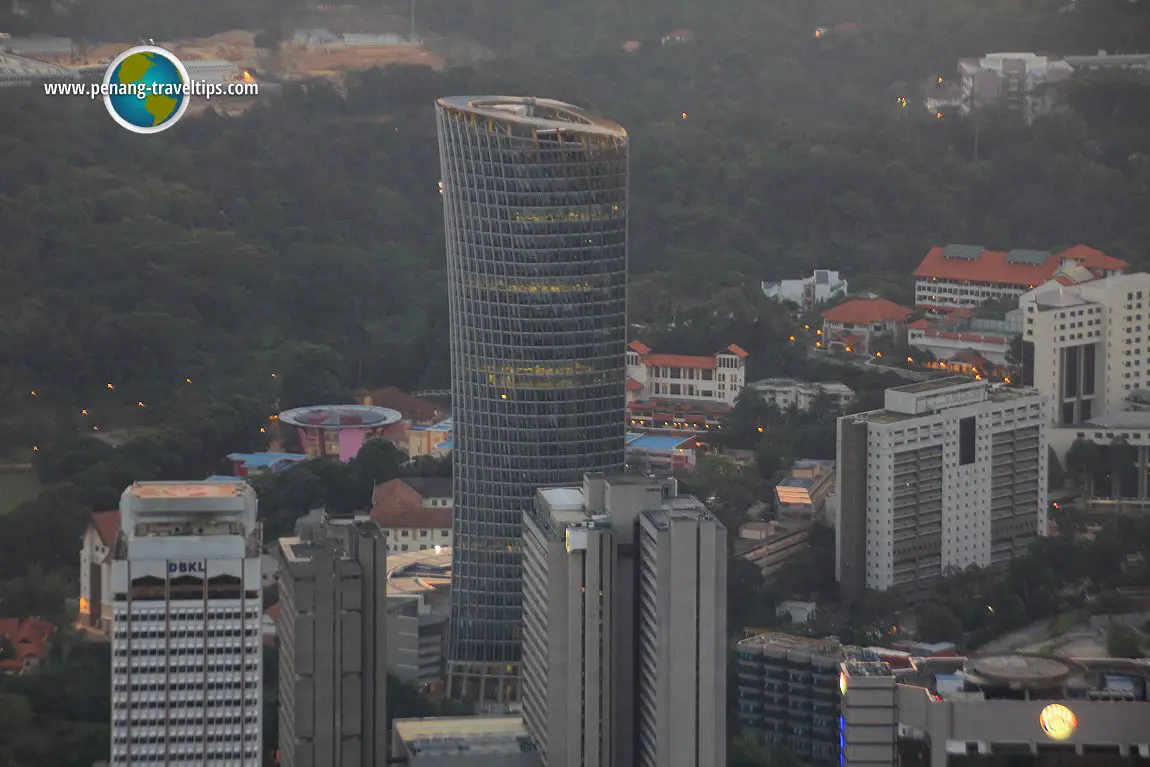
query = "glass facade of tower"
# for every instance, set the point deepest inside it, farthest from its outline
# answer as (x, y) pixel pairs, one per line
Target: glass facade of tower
(535, 209)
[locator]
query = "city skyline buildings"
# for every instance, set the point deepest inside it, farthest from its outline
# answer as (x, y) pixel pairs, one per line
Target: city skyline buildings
(535, 214)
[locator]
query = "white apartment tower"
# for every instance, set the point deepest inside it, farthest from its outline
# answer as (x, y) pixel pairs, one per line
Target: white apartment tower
(951, 473)
(187, 644)
(624, 658)
(1086, 347)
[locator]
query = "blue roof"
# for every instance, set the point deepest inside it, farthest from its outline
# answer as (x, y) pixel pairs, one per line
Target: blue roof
(657, 442)
(447, 425)
(448, 445)
(256, 460)
(223, 478)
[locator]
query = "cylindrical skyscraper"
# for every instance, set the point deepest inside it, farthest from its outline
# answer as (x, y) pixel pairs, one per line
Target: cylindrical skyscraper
(535, 208)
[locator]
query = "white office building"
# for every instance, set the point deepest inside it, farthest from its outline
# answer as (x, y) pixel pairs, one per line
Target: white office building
(1086, 349)
(717, 378)
(624, 626)
(808, 292)
(187, 640)
(951, 473)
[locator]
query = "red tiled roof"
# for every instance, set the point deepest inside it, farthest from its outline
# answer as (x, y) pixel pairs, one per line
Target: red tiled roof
(993, 267)
(971, 357)
(1062, 279)
(29, 638)
(920, 325)
(845, 338)
(413, 408)
(962, 313)
(680, 361)
(640, 347)
(396, 504)
(1092, 258)
(736, 350)
(864, 311)
(633, 385)
(107, 524)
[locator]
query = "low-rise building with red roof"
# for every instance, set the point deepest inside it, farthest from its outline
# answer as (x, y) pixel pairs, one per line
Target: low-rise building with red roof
(857, 323)
(96, 572)
(709, 379)
(954, 276)
(24, 644)
(416, 512)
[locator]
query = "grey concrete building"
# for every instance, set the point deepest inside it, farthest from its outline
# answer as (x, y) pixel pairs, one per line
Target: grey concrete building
(333, 644)
(945, 711)
(466, 741)
(789, 694)
(624, 626)
(951, 473)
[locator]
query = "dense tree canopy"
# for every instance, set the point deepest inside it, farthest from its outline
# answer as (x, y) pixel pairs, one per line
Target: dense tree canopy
(308, 230)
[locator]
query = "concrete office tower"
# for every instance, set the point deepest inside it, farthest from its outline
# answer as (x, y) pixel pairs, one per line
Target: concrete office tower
(789, 694)
(187, 649)
(951, 473)
(535, 209)
(624, 659)
(333, 644)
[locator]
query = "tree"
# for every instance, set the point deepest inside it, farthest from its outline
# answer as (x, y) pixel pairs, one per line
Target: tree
(1122, 641)
(936, 623)
(269, 38)
(1083, 460)
(378, 461)
(61, 460)
(7, 649)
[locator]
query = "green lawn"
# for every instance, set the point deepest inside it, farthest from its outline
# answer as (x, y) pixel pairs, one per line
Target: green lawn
(17, 487)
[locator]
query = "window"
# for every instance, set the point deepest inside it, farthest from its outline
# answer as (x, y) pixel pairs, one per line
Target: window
(674, 389)
(966, 443)
(708, 375)
(422, 533)
(405, 534)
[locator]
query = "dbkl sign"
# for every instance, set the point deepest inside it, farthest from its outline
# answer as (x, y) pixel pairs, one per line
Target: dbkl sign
(185, 567)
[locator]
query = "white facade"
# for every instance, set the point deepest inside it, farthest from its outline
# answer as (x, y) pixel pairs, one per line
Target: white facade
(214, 71)
(785, 393)
(1086, 347)
(96, 572)
(187, 642)
(951, 473)
(718, 378)
(820, 287)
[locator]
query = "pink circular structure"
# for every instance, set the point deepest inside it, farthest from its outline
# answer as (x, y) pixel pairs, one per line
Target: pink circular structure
(338, 431)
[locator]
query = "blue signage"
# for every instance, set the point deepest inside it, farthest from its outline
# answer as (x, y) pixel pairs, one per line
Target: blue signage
(185, 567)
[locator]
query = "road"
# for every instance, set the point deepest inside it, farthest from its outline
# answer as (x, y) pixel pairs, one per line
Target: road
(872, 364)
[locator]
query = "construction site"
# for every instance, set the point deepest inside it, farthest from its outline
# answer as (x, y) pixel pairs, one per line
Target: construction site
(305, 54)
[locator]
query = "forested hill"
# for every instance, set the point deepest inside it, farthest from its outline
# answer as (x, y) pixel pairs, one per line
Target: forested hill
(214, 250)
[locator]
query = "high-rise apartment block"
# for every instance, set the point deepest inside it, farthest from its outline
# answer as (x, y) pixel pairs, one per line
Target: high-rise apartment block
(535, 211)
(187, 649)
(1087, 346)
(624, 626)
(951, 473)
(333, 644)
(1086, 349)
(789, 694)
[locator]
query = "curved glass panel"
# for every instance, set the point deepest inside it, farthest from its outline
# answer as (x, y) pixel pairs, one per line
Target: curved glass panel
(536, 218)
